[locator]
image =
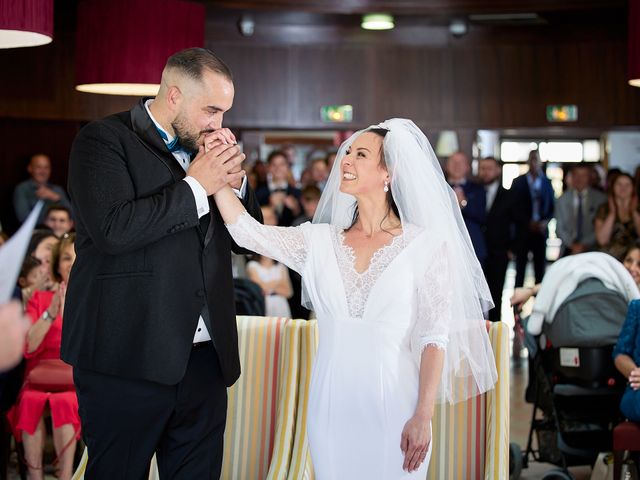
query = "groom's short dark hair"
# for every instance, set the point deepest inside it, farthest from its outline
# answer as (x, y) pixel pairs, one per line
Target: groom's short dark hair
(193, 61)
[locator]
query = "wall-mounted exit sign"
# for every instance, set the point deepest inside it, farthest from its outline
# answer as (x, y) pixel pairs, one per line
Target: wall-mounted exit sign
(336, 113)
(562, 113)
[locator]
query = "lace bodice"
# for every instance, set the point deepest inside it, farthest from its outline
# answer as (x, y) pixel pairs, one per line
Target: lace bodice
(359, 284)
(291, 245)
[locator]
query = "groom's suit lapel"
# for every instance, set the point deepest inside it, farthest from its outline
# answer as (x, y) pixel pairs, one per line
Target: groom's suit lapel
(147, 133)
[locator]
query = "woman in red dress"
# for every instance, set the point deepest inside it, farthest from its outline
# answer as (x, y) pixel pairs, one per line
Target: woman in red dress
(45, 310)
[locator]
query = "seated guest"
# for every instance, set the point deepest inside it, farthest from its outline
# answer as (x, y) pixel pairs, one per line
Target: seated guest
(576, 210)
(29, 192)
(617, 222)
(631, 262)
(279, 192)
(48, 385)
(626, 356)
(31, 278)
(318, 173)
(41, 247)
(58, 219)
(309, 199)
(471, 198)
(272, 277)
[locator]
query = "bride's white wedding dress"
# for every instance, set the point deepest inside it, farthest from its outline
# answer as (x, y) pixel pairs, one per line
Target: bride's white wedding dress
(372, 330)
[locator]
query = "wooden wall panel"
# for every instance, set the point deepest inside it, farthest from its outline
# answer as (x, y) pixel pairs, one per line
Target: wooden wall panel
(331, 75)
(263, 78)
(500, 83)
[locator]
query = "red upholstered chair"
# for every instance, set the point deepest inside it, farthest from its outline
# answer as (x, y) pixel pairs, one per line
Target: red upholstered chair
(626, 437)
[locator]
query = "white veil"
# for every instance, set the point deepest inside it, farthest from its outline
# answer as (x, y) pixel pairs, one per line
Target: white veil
(425, 199)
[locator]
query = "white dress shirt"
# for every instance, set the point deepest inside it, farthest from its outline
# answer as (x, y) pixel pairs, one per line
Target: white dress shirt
(202, 204)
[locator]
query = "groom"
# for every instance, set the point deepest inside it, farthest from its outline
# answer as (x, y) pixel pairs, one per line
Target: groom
(149, 321)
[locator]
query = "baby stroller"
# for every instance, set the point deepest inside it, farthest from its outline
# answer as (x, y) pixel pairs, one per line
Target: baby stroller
(573, 384)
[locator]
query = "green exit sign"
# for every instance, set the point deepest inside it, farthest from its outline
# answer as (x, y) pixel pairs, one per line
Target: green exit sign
(562, 113)
(336, 113)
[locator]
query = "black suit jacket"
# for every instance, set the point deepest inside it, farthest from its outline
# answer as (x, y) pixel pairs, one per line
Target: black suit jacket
(146, 266)
(521, 196)
(499, 226)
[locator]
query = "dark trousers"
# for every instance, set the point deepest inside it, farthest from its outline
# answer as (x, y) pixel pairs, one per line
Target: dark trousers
(124, 422)
(536, 243)
(495, 270)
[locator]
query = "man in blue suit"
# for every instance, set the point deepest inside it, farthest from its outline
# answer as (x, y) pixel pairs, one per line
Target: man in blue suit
(471, 198)
(533, 195)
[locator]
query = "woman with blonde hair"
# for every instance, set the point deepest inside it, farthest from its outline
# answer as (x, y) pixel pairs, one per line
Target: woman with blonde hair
(48, 386)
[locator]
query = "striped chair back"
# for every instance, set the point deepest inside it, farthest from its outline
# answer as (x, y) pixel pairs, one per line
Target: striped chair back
(300, 466)
(253, 401)
(471, 439)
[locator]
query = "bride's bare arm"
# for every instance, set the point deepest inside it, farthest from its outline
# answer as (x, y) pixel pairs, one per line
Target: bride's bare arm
(416, 435)
(229, 204)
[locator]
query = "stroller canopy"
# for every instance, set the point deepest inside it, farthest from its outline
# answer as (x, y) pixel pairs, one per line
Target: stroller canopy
(592, 316)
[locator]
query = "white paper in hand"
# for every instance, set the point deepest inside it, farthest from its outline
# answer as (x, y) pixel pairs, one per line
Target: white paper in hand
(12, 254)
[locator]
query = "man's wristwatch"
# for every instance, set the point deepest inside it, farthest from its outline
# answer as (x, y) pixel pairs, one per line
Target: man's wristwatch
(47, 316)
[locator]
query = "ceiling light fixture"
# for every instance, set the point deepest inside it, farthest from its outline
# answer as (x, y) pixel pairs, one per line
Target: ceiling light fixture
(25, 23)
(377, 21)
(117, 54)
(633, 44)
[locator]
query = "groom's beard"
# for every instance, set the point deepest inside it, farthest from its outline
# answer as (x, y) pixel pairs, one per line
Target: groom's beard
(187, 138)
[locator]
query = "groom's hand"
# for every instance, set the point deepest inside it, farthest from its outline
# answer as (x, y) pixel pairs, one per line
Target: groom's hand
(220, 137)
(217, 167)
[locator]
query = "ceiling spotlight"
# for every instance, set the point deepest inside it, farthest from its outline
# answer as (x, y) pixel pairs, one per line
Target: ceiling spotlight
(458, 28)
(246, 25)
(377, 21)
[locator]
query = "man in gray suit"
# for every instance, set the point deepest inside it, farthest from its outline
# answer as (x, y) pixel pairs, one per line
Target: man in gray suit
(575, 211)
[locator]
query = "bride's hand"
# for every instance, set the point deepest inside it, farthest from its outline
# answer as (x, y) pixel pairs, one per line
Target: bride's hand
(223, 137)
(415, 442)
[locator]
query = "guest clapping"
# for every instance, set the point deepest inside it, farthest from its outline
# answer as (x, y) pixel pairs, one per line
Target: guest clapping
(617, 222)
(48, 380)
(279, 193)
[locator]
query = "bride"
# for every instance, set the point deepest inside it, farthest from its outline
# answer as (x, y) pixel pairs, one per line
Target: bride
(389, 269)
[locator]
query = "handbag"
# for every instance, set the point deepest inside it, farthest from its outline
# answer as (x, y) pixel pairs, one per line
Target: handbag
(51, 375)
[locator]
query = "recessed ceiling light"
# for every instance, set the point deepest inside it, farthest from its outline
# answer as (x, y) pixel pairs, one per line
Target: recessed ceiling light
(377, 21)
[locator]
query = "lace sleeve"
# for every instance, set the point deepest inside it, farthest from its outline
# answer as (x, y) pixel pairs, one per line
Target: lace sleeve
(433, 306)
(284, 244)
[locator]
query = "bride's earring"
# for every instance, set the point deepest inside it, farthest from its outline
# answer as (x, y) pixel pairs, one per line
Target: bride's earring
(386, 186)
